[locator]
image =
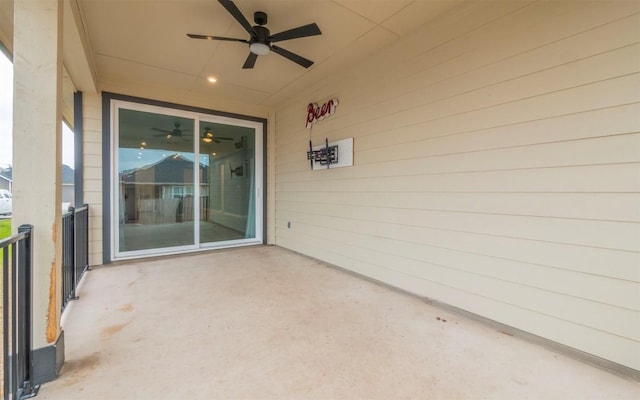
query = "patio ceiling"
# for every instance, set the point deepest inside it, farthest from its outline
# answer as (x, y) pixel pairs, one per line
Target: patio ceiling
(144, 42)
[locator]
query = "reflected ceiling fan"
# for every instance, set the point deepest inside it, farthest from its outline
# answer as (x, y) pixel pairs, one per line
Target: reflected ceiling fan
(175, 132)
(260, 39)
(208, 136)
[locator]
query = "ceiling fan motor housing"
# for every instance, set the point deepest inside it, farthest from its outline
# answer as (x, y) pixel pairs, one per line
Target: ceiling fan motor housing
(262, 33)
(260, 44)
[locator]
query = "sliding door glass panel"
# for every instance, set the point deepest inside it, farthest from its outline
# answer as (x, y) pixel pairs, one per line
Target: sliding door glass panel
(155, 185)
(227, 194)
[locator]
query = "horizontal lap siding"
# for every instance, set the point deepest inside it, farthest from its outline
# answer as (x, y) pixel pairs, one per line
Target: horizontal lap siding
(496, 169)
(92, 143)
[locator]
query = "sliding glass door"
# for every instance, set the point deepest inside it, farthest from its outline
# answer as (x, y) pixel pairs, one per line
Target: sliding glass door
(183, 181)
(228, 199)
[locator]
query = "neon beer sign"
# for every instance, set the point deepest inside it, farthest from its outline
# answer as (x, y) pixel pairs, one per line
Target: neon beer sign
(316, 112)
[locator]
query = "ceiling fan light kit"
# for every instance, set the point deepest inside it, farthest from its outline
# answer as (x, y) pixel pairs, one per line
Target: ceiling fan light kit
(260, 39)
(260, 49)
(208, 136)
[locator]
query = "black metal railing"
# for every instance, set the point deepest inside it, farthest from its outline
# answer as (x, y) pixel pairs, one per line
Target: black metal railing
(75, 250)
(17, 259)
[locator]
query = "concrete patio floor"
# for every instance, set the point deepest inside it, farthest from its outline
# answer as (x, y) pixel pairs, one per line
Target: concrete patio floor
(267, 323)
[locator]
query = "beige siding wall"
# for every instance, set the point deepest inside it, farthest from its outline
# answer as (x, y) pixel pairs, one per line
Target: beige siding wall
(92, 142)
(496, 169)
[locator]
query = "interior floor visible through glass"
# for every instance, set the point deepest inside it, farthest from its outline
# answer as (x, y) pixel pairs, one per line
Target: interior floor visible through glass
(142, 237)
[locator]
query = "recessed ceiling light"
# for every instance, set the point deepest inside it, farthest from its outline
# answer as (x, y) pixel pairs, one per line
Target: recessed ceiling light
(212, 79)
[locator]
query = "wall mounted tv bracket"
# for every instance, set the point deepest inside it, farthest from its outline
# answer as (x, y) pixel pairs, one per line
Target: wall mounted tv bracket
(325, 156)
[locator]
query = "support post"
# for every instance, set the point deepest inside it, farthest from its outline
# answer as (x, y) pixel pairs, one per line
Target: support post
(37, 157)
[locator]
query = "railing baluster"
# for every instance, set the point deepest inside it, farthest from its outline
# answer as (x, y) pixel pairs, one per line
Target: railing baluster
(14, 318)
(6, 351)
(81, 241)
(67, 256)
(75, 250)
(16, 312)
(17, 259)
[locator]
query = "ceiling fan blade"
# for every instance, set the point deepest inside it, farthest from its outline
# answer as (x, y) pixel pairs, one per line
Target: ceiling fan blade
(223, 138)
(162, 130)
(292, 56)
(207, 37)
(235, 12)
(250, 61)
(301, 31)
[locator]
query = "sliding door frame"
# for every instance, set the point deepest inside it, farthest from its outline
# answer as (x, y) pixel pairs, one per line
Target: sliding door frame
(111, 102)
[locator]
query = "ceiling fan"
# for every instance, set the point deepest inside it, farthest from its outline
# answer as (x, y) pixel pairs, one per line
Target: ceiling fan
(175, 132)
(260, 40)
(208, 137)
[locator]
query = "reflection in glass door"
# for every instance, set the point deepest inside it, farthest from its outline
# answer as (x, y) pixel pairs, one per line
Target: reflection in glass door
(228, 200)
(155, 180)
(184, 181)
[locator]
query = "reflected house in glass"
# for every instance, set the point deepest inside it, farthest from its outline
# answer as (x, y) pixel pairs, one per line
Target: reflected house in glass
(162, 192)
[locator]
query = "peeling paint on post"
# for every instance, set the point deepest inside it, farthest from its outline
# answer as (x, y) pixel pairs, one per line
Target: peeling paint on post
(52, 326)
(53, 234)
(52, 329)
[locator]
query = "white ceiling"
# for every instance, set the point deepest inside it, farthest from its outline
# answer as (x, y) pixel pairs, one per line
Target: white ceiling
(144, 42)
